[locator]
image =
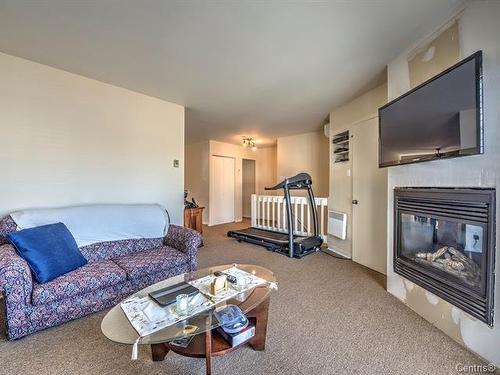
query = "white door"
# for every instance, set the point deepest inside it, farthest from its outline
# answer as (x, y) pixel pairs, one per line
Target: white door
(222, 195)
(369, 194)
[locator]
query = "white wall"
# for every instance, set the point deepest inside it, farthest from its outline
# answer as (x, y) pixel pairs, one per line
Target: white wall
(479, 29)
(308, 153)
(199, 174)
(265, 169)
(196, 174)
(340, 196)
(70, 140)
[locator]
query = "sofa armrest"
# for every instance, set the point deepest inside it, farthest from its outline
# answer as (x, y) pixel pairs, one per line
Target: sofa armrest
(186, 240)
(16, 282)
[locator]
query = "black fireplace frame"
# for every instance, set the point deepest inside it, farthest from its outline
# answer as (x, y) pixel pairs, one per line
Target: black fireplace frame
(475, 205)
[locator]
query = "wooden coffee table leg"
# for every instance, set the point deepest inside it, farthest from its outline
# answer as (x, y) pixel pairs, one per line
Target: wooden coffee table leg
(208, 351)
(159, 351)
(260, 313)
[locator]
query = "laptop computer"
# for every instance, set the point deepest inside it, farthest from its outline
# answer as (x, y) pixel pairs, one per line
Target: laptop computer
(166, 296)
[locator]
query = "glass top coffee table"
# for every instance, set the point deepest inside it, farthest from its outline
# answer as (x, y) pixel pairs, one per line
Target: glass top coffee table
(254, 303)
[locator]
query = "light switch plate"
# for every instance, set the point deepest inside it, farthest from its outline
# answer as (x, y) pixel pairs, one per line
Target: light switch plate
(176, 163)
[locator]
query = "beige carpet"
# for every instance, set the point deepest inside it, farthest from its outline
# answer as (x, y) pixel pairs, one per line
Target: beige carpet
(329, 316)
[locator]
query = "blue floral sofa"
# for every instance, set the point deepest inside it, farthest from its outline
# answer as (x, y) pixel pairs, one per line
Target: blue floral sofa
(115, 269)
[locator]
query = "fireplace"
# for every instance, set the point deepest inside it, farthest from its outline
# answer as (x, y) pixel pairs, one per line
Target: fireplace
(444, 241)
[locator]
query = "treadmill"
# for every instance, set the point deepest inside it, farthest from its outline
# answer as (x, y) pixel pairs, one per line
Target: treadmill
(288, 244)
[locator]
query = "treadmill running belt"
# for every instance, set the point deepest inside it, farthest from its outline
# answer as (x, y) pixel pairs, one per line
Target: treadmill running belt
(267, 234)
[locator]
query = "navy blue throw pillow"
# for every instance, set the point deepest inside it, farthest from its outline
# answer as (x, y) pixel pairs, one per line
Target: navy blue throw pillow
(50, 250)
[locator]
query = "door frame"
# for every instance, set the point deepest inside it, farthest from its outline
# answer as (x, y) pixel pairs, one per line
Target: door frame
(254, 180)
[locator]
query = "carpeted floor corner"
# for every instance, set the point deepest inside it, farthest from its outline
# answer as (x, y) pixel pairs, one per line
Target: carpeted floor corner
(329, 316)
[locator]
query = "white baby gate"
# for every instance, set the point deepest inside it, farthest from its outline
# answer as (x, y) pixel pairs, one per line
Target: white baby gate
(269, 212)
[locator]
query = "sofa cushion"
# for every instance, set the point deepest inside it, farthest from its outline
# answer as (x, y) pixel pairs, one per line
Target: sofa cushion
(88, 278)
(113, 249)
(108, 250)
(151, 261)
(50, 250)
(143, 244)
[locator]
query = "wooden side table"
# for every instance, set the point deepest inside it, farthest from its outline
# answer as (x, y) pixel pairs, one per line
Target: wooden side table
(193, 219)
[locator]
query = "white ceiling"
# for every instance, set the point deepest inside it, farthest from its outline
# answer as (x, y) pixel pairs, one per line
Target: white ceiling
(255, 68)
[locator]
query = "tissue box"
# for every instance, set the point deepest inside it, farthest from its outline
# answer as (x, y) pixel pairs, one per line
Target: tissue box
(235, 339)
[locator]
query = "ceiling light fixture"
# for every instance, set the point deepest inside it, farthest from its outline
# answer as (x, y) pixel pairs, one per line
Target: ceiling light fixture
(250, 143)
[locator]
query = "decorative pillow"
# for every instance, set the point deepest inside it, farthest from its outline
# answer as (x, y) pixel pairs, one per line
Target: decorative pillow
(50, 250)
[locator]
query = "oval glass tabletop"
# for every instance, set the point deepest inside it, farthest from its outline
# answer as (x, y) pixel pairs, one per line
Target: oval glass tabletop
(116, 327)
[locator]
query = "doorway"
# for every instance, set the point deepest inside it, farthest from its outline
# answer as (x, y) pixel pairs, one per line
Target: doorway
(222, 194)
(248, 186)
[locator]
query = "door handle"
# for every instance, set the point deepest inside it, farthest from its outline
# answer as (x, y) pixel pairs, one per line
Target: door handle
(354, 201)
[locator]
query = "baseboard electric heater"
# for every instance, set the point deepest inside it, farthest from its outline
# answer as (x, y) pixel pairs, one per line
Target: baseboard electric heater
(337, 224)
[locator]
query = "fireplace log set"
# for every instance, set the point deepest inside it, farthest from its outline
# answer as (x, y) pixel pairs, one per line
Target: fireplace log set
(453, 261)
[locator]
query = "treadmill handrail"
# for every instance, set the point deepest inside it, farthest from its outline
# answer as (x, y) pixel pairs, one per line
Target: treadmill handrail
(299, 181)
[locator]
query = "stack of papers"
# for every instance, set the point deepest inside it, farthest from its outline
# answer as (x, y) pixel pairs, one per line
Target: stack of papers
(147, 317)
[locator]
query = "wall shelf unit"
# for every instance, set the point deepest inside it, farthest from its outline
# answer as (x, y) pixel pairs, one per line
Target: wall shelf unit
(340, 143)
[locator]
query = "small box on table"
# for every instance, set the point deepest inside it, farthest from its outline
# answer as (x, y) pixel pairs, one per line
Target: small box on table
(235, 339)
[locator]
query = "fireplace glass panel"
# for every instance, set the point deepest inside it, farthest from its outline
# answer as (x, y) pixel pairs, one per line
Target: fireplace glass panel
(455, 248)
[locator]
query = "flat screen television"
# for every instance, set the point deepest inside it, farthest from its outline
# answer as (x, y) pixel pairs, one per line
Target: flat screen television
(441, 118)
